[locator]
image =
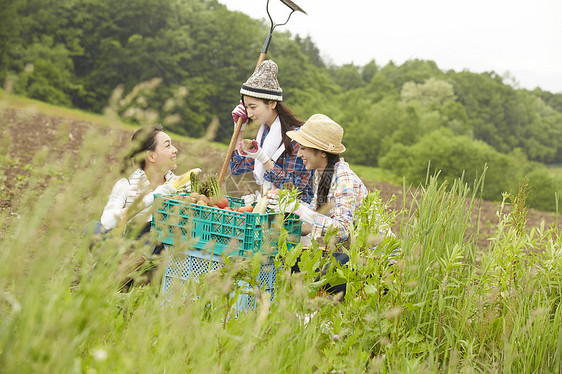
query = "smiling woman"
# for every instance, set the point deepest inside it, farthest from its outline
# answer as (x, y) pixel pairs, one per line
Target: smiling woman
(131, 198)
(335, 184)
(155, 156)
(338, 191)
(272, 155)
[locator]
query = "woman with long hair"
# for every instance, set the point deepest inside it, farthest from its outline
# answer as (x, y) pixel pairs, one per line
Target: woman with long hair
(338, 191)
(272, 155)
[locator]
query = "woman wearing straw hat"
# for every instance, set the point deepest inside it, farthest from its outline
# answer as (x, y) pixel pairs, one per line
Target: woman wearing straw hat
(338, 191)
(272, 156)
(335, 184)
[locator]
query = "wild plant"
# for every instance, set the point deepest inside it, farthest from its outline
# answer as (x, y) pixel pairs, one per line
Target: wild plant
(438, 305)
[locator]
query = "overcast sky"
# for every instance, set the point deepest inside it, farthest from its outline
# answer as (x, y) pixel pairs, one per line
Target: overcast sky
(521, 37)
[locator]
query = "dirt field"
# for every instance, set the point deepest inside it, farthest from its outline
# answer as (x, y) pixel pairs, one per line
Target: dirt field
(24, 133)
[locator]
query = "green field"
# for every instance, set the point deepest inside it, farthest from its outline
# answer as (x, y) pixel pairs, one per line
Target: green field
(557, 171)
(443, 307)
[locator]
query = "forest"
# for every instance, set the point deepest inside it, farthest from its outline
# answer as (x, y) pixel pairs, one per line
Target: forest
(183, 62)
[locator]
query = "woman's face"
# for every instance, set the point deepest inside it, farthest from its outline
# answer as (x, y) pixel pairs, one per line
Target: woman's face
(312, 158)
(259, 111)
(164, 156)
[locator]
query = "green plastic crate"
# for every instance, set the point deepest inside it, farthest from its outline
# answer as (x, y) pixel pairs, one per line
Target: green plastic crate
(219, 230)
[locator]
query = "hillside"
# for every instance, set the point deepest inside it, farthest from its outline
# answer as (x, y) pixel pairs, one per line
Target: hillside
(27, 129)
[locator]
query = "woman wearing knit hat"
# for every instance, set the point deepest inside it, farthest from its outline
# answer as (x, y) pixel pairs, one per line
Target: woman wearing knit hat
(272, 156)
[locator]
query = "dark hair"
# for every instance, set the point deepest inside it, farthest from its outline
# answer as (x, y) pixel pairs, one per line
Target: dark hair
(326, 179)
(288, 121)
(144, 139)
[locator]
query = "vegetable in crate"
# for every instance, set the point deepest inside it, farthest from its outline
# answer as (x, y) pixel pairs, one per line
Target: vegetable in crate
(245, 209)
(184, 179)
(220, 202)
(209, 187)
(214, 188)
(197, 198)
(194, 178)
(261, 205)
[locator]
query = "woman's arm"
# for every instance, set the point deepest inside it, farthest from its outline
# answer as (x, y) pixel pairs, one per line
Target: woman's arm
(114, 210)
(341, 218)
(346, 200)
(240, 164)
(290, 168)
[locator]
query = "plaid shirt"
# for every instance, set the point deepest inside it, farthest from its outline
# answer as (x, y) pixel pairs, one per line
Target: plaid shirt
(287, 168)
(346, 195)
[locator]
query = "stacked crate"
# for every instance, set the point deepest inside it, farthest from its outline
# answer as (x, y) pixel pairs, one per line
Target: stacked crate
(212, 232)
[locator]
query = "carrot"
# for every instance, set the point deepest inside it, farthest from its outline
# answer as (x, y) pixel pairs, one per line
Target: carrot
(246, 208)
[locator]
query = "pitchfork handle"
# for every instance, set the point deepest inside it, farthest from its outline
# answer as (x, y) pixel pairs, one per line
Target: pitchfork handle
(231, 147)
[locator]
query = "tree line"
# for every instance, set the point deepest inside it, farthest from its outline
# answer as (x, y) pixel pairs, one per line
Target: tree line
(184, 61)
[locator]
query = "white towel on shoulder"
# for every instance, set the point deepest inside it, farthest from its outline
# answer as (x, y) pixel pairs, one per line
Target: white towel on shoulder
(272, 142)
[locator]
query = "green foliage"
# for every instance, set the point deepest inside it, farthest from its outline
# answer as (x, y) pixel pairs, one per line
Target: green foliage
(369, 70)
(9, 30)
(370, 128)
(442, 307)
(416, 71)
(552, 100)
(506, 118)
(430, 93)
(348, 77)
(453, 155)
(448, 155)
(545, 190)
(376, 174)
(310, 50)
(47, 73)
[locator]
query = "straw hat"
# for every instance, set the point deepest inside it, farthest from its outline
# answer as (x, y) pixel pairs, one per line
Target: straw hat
(320, 132)
(263, 83)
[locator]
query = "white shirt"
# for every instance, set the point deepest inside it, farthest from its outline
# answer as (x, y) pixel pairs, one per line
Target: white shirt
(124, 193)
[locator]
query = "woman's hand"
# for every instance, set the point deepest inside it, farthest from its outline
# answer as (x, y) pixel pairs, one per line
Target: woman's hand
(163, 189)
(255, 151)
(240, 112)
(285, 207)
(306, 214)
(305, 229)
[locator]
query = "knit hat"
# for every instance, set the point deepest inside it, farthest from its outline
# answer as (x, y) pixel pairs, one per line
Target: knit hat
(263, 83)
(320, 132)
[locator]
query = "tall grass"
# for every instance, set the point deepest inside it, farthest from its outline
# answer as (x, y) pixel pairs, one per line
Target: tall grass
(442, 307)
